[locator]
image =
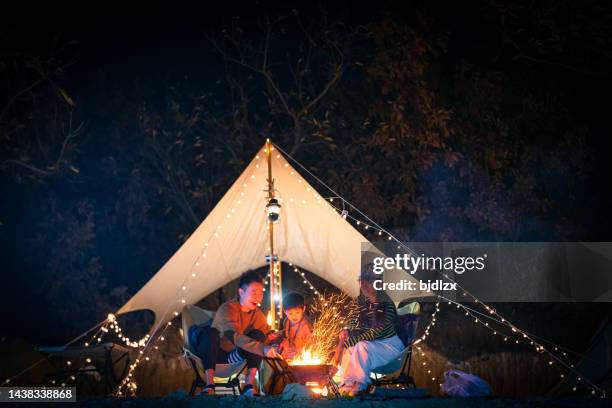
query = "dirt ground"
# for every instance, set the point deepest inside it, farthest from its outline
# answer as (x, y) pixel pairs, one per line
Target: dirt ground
(181, 400)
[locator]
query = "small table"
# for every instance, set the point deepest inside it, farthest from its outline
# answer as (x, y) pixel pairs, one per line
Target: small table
(105, 359)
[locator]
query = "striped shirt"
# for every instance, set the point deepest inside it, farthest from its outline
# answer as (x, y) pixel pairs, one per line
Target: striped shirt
(379, 323)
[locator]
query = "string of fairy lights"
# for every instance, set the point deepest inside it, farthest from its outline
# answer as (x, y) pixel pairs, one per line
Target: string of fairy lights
(141, 344)
(128, 384)
(39, 361)
(276, 268)
(426, 333)
(306, 282)
(128, 381)
(303, 278)
(380, 232)
(374, 228)
(524, 336)
(69, 363)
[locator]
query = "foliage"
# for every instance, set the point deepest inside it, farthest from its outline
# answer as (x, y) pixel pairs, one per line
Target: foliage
(397, 115)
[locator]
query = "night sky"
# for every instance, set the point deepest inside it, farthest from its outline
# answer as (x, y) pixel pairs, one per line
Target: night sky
(120, 52)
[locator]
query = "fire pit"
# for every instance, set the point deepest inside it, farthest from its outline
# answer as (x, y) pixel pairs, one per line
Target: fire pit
(315, 377)
(309, 369)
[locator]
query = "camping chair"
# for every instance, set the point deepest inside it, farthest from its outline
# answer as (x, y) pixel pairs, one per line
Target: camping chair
(105, 362)
(226, 375)
(408, 317)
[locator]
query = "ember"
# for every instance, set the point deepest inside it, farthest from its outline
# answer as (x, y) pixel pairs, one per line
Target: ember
(328, 322)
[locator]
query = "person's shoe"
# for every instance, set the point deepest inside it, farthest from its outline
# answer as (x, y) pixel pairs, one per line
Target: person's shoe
(345, 389)
(249, 391)
(358, 389)
(209, 389)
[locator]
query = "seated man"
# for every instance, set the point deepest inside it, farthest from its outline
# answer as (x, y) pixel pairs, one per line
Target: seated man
(238, 332)
(371, 345)
(297, 329)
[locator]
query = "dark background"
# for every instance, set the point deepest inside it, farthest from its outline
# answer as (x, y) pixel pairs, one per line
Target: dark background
(460, 121)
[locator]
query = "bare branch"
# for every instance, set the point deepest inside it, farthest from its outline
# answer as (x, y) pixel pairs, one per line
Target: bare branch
(264, 72)
(27, 166)
(43, 77)
(521, 54)
(71, 134)
(328, 86)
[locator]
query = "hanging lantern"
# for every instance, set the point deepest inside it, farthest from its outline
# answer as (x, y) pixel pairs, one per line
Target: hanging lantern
(273, 209)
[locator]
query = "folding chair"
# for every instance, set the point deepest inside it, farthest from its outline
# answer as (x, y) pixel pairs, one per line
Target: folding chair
(408, 317)
(226, 375)
(103, 362)
(382, 374)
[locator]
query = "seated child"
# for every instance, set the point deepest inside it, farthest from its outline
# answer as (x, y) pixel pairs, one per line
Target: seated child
(297, 329)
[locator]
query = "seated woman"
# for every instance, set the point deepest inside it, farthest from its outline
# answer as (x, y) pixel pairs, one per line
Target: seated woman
(373, 344)
(238, 332)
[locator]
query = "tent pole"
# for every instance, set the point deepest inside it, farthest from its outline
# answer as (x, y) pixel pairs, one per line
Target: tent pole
(280, 287)
(272, 311)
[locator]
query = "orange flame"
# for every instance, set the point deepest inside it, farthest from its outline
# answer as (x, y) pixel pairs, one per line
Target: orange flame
(307, 357)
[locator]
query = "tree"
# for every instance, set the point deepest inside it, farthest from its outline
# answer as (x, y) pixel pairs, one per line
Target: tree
(38, 126)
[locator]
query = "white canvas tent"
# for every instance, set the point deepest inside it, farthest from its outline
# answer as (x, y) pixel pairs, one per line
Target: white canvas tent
(234, 238)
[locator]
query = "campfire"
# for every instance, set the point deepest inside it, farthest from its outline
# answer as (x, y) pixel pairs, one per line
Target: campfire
(309, 370)
(306, 357)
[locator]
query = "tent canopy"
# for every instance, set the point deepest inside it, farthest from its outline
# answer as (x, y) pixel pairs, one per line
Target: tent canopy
(234, 238)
